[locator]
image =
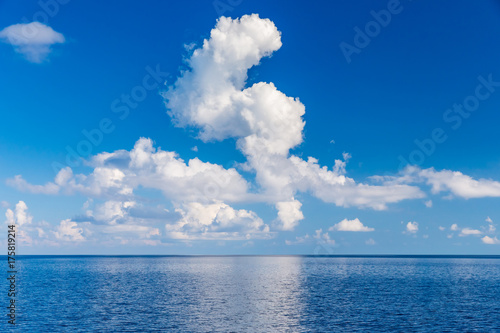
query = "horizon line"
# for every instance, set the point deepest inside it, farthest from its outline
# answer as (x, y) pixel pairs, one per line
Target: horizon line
(422, 256)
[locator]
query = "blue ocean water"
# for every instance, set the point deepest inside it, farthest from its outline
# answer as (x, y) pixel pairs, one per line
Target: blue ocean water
(257, 294)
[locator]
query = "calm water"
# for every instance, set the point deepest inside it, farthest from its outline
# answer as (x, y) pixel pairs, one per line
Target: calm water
(257, 294)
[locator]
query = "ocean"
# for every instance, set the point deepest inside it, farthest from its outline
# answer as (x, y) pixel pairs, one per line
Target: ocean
(256, 294)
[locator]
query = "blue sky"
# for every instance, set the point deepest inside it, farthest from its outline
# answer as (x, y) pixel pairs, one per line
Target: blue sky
(223, 131)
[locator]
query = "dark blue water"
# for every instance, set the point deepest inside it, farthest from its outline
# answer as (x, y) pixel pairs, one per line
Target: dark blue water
(257, 294)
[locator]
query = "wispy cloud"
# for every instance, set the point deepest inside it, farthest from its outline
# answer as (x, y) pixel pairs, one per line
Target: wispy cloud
(453, 182)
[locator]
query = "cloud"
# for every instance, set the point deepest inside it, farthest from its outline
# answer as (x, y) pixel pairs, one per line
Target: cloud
(468, 231)
(350, 225)
(453, 182)
(22, 185)
(428, 204)
(412, 227)
(489, 240)
(442, 228)
(20, 216)
(69, 231)
(370, 241)
(298, 240)
(110, 223)
(267, 124)
(461, 185)
(33, 40)
(212, 95)
(217, 221)
(489, 220)
(323, 237)
(289, 214)
(454, 227)
(319, 236)
(117, 174)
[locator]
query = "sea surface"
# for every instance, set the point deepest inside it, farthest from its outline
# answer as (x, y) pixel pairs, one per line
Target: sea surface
(256, 294)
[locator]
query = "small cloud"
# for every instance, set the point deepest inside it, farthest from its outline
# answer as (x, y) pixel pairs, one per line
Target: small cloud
(33, 40)
(324, 237)
(298, 240)
(469, 231)
(19, 215)
(412, 227)
(69, 231)
(350, 225)
(190, 46)
(449, 236)
(454, 227)
(489, 240)
(332, 141)
(428, 204)
(489, 220)
(346, 156)
(442, 228)
(195, 148)
(425, 236)
(370, 242)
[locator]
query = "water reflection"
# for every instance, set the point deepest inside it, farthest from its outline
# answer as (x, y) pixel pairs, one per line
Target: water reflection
(257, 294)
(246, 294)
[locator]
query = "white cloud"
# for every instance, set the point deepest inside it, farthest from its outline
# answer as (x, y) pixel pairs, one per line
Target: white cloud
(213, 96)
(370, 241)
(461, 185)
(469, 231)
(33, 40)
(428, 204)
(109, 224)
(217, 221)
(69, 231)
(454, 227)
(453, 182)
(117, 174)
(19, 183)
(442, 228)
(265, 122)
(20, 216)
(489, 220)
(350, 225)
(412, 227)
(298, 240)
(319, 236)
(489, 240)
(289, 214)
(323, 237)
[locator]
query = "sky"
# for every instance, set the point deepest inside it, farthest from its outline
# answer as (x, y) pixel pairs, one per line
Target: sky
(250, 127)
